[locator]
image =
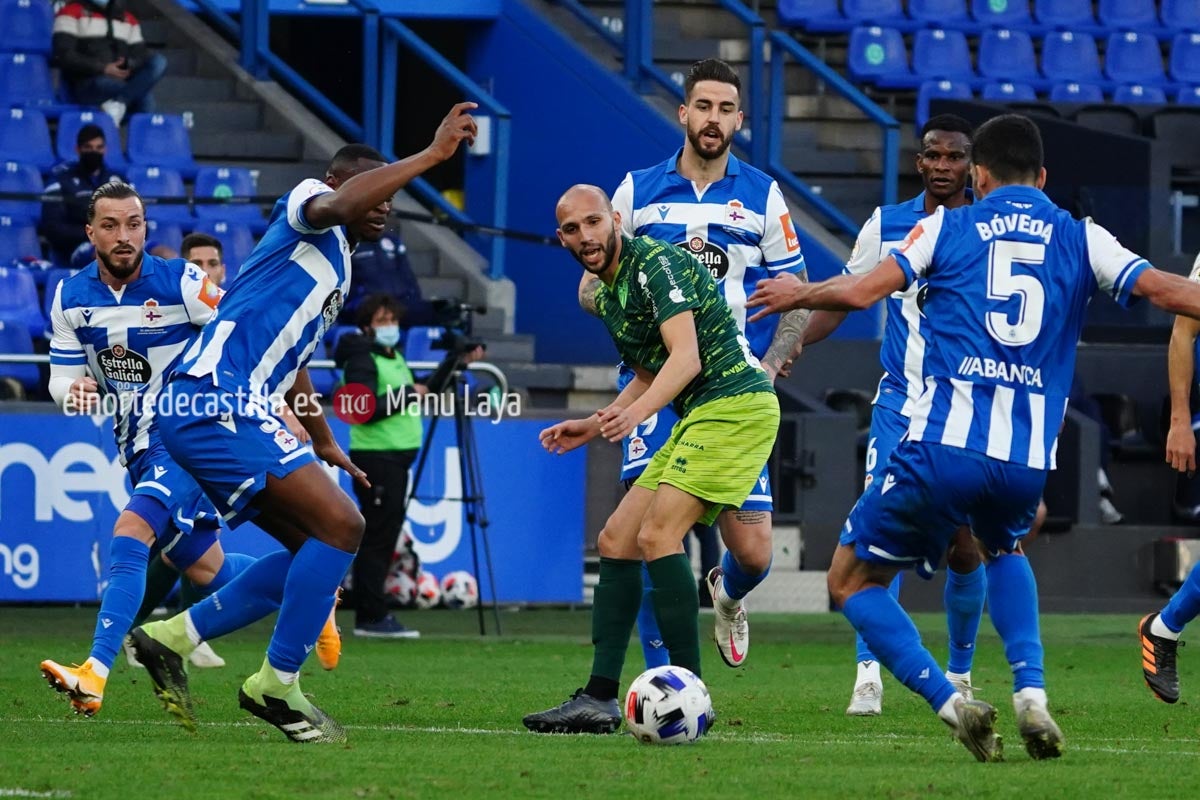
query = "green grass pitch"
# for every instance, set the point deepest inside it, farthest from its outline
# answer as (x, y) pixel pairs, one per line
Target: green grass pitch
(441, 717)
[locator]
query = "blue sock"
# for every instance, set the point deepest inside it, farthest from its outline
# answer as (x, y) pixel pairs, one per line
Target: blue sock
(234, 565)
(863, 652)
(891, 635)
(256, 592)
(737, 583)
(1184, 604)
(128, 559)
(964, 598)
(312, 583)
(653, 648)
(1013, 604)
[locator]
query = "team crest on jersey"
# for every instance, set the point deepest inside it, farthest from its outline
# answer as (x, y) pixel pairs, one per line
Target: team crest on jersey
(637, 447)
(123, 368)
(735, 213)
(286, 441)
(711, 256)
(152, 315)
(330, 310)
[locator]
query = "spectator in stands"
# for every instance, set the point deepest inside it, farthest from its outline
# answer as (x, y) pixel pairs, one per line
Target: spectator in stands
(382, 268)
(98, 45)
(63, 222)
(205, 252)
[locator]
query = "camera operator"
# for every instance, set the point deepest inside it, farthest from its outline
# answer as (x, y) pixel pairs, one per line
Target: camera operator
(385, 446)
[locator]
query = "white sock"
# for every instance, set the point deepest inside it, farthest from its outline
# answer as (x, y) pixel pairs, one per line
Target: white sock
(99, 669)
(1029, 697)
(1159, 629)
(192, 634)
(959, 677)
(286, 678)
(948, 713)
(868, 672)
(723, 599)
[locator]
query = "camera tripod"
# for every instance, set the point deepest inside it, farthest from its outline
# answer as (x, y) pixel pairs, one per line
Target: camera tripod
(472, 499)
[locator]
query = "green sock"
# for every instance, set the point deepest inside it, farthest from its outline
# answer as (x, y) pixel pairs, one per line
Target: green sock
(189, 594)
(173, 633)
(159, 581)
(677, 606)
(615, 606)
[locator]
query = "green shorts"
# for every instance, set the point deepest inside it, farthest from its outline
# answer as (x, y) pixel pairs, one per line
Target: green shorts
(718, 450)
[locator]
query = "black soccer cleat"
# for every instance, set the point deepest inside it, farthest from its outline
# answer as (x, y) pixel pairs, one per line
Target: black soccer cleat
(304, 723)
(581, 714)
(1158, 662)
(168, 673)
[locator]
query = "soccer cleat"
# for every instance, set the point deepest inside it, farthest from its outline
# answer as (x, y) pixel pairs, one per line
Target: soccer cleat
(286, 707)
(867, 700)
(1158, 662)
(130, 655)
(976, 729)
(329, 643)
(731, 630)
(581, 714)
(1043, 738)
(963, 687)
(205, 657)
(81, 685)
(168, 673)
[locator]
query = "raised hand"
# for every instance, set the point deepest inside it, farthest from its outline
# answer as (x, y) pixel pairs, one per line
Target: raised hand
(457, 126)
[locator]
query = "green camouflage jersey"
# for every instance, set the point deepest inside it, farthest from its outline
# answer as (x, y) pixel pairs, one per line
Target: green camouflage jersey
(655, 281)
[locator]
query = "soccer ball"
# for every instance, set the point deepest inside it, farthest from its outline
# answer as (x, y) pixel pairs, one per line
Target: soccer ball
(459, 590)
(401, 588)
(668, 705)
(429, 593)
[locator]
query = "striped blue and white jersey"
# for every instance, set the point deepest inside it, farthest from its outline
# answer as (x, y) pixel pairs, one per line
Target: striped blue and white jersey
(129, 339)
(738, 227)
(286, 295)
(1010, 279)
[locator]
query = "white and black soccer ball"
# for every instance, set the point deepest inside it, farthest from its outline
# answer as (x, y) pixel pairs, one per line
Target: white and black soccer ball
(429, 592)
(460, 590)
(668, 705)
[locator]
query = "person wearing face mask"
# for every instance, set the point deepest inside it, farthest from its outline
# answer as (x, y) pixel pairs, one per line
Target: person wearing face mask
(63, 222)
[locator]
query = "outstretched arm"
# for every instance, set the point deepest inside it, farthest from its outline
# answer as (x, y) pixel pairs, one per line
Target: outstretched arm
(787, 343)
(841, 293)
(1181, 440)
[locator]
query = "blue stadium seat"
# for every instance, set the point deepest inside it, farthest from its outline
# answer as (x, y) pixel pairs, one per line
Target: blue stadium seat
(1071, 92)
(18, 177)
(1002, 13)
(798, 13)
(1128, 15)
(163, 232)
(16, 340)
(418, 344)
(1134, 58)
(942, 54)
(1071, 15)
(25, 137)
(941, 13)
(1070, 57)
(1188, 96)
(25, 82)
(1180, 15)
(54, 277)
(237, 241)
(68, 128)
(931, 90)
(161, 140)
(1007, 55)
(19, 299)
(27, 26)
(228, 182)
(1139, 95)
(153, 182)
(18, 240)
(1004, 92)
(1185, 58)
(877, 55)
(889, 13)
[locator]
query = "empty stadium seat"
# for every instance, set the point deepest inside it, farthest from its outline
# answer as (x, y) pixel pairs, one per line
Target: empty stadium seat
(18, 239)
(25, 137)
(163, 232)
(161, 140)
(1110, 119)
(27, 26)
(941, 13)
(1002, 14)
(798, 13)
(15, 339)
(18, 177)
(1139, 95)
(25, 82)
(1128, 15)
(54, 277)
(1071, 92)
(1188, 96)
(228, 182)
(930, 90)
(237, 241)
(68, 128)
(1005, 92)
(1180, 15)
(875, 12)
(1071, 57)
(19, 299)
(942, 54)
(878, 55)
(156, 182)
(1134, 58)
(1007, 55)
(1185, 58)
(1071, 15)
(1176, 129)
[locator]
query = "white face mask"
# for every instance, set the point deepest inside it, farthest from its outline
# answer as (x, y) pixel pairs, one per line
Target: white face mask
(387, 335)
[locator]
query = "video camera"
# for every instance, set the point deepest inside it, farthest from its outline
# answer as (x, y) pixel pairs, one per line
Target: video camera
(458, 321)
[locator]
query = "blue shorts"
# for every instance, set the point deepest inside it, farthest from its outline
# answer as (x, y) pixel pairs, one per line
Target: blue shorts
(171, 503)
(909, 515)
(229, 453)
(888, 427)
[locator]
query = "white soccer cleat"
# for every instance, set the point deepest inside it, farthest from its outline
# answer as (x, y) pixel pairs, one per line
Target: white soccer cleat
(205, 657)
(962, 685)
(867, 700)
(731, 628)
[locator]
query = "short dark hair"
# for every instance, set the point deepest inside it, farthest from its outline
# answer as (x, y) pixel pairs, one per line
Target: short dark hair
(710, 69)
(194, 240)
(373, 303)
(113, 190)
(87, 133)
(1010, 146)
(950, 123)
(349, 155)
